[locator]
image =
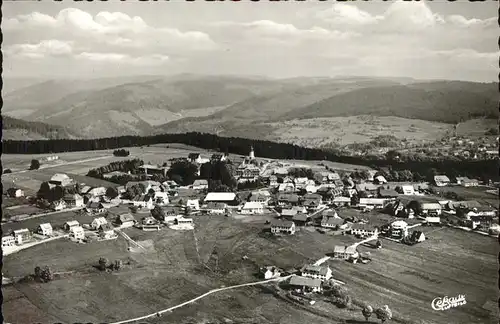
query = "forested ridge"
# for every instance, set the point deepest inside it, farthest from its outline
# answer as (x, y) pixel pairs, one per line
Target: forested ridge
(487, 169)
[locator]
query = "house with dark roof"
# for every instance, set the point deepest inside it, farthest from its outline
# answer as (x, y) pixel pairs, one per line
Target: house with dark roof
(306, 285)
(300, 219)
(387, 193)
(287, 200)
(441, 180)
(125, 220)
(345, 252)
(281, 226)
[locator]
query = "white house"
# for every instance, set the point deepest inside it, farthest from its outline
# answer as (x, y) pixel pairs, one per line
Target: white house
(193, 204)
(95, 208)
(15, 192)
(125, 220)
(44, 229)
(143, 201)
(431, 209)
(345, 252)
(22, 235)
(97, 222)
(74, 200)
(342, 201)
(200, 184)
(70, 224)
(286, 187)
(317, 272)
(280, 226)
(270, 272)
(372, 202)
(183, 221)
(97, 192)
(408, 190)
(433, 220)
(363, 230)
(441, 180)
(466, 182)
(8, 241)
(225, 197)
(252, 207)
(331, 222)
(60, 179)
(305, 284)
(196, 158)
(399, 229)
(106, 231)
(77, 233)
(380, 179)
(311, 189)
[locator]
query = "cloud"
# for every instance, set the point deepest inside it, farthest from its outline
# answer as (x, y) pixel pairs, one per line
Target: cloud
(344, 14)
(111, 30)
(43, 49)
(155, 59)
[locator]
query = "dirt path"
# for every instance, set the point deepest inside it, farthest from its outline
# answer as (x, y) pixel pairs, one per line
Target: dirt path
(198, 298)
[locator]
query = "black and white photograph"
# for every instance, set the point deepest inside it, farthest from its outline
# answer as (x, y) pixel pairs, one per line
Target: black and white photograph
(250, 162)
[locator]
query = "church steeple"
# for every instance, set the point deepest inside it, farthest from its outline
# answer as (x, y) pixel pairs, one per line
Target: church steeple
(252, 153)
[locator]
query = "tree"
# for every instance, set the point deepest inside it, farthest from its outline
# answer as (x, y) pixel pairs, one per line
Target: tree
(117, 265)
(185, 170)
(367, 312)
(103, 264)
(111, 193)
(35, 165)
(7, 171)
(45, 192)
(38, 271)
(158, 213)
(46, 274)
(383, 314)
(121, 152)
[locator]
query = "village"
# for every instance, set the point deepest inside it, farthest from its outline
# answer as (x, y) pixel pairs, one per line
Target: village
(293, 198)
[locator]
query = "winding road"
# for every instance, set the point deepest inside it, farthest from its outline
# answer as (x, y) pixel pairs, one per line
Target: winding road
(156, 314)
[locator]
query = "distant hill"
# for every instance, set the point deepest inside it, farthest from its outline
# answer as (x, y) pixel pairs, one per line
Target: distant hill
(448, 102)
(16, 129)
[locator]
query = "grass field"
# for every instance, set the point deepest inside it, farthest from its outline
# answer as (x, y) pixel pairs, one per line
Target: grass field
(346, 130)
(406, 278)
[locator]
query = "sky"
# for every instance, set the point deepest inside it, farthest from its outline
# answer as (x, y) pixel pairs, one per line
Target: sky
(424, 40)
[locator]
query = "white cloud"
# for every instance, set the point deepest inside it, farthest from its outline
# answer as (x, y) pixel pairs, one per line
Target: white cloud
(122, 58)
(344, 14)
(43, 49)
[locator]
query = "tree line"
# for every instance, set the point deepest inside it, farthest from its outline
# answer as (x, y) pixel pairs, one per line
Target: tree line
(483, 169)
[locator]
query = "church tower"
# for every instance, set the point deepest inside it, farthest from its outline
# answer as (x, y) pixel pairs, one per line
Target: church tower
(252, 153)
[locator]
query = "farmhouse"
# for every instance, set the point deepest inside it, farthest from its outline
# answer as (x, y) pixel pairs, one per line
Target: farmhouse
(8, 241)
(143, 201)
(305, 285)
(300, 219)
(379, 180)
(44, 229)
(196, 158)
(60, 179)
(372, 202)
(270, 272)
(311, 205)
(368, 188)
(252, 207)
(216, 208)
(363, 230)
(288, 199)
(97, 192)
(106, 231)
(398, 229)
(225, 197)
(344, 252)
(97, 222)
(286, 187)
(125, 220)
(22, 235)
(95, 208)
(317, 272)
(341, 201)
(193, 204)
(311, 189)
(466, 182)
(70, 224)
(273, 181)
(150, 170)
(331, 222)
(441, 180)
(200, 184)
(407, 190)
(15, 192)
(77, 233)
(431, 209)
(288, 212)
(74, 200)
(279, 226)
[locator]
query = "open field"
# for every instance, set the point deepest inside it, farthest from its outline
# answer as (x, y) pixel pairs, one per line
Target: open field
(346, 130)
(473, 193)
(406, 278)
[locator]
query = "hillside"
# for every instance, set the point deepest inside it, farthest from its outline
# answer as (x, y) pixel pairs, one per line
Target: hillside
(448, 102)
(134, 108)
(16, 129)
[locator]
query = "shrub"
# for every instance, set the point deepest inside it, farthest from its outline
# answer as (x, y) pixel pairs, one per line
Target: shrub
(121, 152)
(35, 165)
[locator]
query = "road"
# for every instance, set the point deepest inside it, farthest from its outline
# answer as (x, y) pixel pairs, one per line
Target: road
(156, 314)
(65, 163)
